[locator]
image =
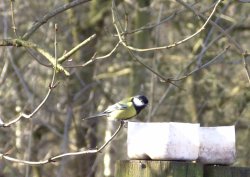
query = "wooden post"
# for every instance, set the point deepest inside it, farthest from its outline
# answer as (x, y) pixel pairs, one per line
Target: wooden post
(149, 168)
(226, 171)
(144, 168)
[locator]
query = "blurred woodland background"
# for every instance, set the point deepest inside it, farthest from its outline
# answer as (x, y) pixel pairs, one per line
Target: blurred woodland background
(209, 66)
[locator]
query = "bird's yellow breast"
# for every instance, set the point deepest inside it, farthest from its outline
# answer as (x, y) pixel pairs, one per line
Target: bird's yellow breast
(123, 114)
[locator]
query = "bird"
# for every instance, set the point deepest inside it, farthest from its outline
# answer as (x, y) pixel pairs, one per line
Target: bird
(123, 110)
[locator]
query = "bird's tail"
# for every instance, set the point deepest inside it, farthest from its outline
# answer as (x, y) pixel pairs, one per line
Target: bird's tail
(94, 116)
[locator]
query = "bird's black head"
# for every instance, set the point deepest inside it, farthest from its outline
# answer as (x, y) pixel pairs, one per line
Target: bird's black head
(140, 102)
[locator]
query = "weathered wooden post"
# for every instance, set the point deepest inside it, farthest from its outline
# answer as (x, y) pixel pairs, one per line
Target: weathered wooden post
(225, 171)
(173, 146)
(148, 168)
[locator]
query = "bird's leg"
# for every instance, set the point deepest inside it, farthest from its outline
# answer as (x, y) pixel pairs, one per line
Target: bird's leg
(124, 123)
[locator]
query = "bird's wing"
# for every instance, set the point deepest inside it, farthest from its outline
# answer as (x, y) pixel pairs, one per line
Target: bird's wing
(123, 114)
(122, 105)
(126, 100)
(95, 116)
(114, 107)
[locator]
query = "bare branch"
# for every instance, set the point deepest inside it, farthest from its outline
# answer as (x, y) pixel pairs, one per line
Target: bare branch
(245, 54)
(13, 17)
(93, 59)
(28, 44)
(4, 72)
(109, 54)
(28, 116)
(76, 48)
(203, 66)
(19, 74)
(37, 58)
(51, 87)
(231, 40)
(237, 46)
(175, 43)
(55, 158)
(50, 15)
(208, 45)
(209, 34)
(150, 26)
(162, 78)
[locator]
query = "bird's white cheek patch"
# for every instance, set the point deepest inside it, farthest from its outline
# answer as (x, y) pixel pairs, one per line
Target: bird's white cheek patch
(138, 102)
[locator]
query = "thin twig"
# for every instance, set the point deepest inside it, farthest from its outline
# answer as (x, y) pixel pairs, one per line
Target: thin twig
(19, 74)
(93, 59)
(231, 40)
(28, 44)
(28, 152)
(154, 65)
(55, 158)
(162, 98)
(71, 52)
(68, 121)
(13, 17)
(208, 36)
(168, 80)
(150, 26)
(237, 46)
(4, 72)
(50, 15)
(109, 54)
(245, 54)
(208, 45)
(203, 66)
(65, 142)
(55, 56)
(51, 87)
(177, 78)
(162, 78)
(36, 57)
(175, 43)
(76, 48)
(28, 116)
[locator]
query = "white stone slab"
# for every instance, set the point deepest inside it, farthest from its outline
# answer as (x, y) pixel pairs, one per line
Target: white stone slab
(217, 145)
(163, 141)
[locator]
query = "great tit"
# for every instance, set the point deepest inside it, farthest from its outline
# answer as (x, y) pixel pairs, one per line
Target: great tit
(125, 109)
